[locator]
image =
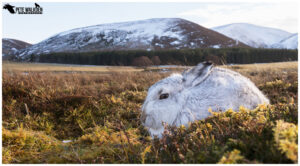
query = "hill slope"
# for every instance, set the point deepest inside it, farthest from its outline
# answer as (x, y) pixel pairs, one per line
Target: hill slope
(290, 42)
(11, 46)
(253, 35)
(150, 34)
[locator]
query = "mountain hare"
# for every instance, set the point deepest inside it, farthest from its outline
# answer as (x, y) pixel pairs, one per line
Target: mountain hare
(183, 98)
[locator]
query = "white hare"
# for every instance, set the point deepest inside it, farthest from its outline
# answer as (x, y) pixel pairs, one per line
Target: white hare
(183, 98)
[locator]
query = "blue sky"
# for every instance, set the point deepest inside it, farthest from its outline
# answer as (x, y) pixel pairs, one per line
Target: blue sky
(58, 17)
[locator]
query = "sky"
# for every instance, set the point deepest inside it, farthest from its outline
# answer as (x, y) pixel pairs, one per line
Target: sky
(59, 17)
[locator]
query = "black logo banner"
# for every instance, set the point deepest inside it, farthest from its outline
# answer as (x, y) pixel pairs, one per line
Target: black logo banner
(36, 9)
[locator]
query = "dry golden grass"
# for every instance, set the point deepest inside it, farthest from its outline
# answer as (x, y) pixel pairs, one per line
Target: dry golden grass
(262, 73)
(98, 108)
(10, 66)
(276, 67)
(39, 67)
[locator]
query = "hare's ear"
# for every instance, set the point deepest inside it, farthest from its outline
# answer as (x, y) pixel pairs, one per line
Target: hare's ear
(197, 74)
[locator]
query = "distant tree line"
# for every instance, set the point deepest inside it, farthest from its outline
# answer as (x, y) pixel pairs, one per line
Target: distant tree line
(170, 57)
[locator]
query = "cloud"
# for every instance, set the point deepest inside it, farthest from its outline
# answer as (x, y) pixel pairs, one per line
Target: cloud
(277, 15)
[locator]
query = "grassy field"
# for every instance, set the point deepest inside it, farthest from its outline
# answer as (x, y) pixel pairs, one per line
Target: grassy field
(40, 67)
(89, 114)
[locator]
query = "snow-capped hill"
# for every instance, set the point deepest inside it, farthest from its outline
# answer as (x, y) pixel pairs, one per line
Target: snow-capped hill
(150, 34)
(253, 35)
(12, 46)
(290, 42)
(142, 28)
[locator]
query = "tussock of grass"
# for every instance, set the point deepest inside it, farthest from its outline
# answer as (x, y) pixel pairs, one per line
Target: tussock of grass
(286, 136)
(25, 146)
(100, 115)
(232, 157)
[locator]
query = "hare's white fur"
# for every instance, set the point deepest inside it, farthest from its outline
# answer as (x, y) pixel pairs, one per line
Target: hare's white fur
(192, 93)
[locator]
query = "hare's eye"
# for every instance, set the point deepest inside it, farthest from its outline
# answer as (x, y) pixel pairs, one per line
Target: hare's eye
(163, 96)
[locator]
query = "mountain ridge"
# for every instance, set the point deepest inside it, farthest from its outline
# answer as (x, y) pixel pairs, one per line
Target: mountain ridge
(253, 35)
(12, 46)
(290, 42)
(149, 34)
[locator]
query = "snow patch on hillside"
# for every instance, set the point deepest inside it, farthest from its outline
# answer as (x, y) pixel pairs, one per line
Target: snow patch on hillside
(134, 29)
(150, 34)
(253, 35)
(290, 42)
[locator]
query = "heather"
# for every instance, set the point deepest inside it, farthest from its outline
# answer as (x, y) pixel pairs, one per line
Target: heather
(84, 115)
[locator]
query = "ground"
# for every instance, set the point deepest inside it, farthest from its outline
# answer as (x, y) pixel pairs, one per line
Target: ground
(90, 114)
